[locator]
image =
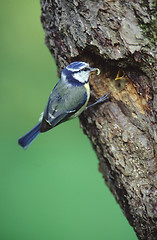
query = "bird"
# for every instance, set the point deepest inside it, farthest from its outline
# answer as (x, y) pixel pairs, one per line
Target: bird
(68, 99)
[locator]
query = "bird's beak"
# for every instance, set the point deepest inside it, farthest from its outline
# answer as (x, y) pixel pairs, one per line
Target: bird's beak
(95, 69)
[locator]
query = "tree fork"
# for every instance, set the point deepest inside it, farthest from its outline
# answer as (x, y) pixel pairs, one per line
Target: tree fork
(119, 37)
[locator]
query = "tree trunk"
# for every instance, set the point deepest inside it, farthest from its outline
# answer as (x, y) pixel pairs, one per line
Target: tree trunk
(118, 37)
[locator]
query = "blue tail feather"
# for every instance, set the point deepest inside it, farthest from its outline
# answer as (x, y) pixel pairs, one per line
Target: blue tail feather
(28, 138)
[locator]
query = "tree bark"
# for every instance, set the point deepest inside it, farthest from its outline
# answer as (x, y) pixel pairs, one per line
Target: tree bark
(118, 37)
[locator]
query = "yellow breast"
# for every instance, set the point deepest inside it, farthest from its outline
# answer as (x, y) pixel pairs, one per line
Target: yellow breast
(83, 107)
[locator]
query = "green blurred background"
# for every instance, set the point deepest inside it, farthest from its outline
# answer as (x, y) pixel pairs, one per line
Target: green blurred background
(54, 189)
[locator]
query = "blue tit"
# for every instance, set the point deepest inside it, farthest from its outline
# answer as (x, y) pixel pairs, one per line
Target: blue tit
(67, 100)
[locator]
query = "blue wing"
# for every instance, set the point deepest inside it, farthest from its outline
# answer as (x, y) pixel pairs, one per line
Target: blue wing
(29, 137)
(61, 114)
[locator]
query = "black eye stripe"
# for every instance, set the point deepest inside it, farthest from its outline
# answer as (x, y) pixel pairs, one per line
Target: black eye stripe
(86, 69)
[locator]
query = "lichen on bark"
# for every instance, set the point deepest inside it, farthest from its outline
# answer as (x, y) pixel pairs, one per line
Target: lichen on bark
(148, 21)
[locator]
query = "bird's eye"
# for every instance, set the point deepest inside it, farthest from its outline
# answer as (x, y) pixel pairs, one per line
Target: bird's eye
(86, 69)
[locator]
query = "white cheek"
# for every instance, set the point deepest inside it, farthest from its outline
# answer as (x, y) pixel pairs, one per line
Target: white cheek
(81, 76)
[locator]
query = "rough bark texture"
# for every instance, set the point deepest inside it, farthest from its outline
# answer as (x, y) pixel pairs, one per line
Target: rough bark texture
(118, 37)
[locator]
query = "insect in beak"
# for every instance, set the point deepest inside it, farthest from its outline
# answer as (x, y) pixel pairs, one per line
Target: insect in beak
(95, 69)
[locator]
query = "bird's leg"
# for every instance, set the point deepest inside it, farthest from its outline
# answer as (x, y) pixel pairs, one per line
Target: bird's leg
(100, 100)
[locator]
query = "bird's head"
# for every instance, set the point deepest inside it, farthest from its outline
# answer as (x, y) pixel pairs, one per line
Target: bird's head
(78, 73)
